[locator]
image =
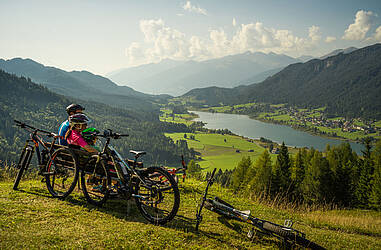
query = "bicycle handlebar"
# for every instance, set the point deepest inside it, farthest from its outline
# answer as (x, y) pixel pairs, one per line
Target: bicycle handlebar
(109, 134)
(24, 125)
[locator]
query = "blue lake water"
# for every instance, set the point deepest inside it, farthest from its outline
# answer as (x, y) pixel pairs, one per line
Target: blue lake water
(244, 126)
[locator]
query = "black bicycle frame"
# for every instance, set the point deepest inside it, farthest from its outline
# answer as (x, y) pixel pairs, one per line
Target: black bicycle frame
(36, 140)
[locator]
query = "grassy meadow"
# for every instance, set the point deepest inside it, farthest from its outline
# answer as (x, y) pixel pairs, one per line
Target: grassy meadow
(31, 219)
(222, 151)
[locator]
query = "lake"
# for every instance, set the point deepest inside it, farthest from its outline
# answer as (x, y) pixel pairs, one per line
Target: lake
(254, 129)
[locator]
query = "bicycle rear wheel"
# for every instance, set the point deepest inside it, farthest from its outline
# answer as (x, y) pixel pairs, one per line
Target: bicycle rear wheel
(157, 197)
(61, 173)
(95, 180)
(25, 158)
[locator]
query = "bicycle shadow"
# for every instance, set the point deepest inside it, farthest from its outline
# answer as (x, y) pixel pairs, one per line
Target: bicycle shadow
(257, 236)
(35, 191)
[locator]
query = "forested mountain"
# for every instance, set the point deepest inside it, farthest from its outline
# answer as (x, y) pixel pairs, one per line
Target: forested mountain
(347, 84)
(34, 104)
(176, 78)
(79, 84)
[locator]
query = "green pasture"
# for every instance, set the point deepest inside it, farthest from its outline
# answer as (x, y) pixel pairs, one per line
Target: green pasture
(220, 151)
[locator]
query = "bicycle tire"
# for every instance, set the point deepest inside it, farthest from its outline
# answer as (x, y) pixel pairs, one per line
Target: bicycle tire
(95, 181)
(25, 158)
(149, 197)
(278, 230)
(291, 236)
(62, 168)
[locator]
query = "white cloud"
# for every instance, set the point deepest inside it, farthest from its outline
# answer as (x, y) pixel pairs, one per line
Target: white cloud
(191, 8)
(314, 33)
(377, 35)
(358, 29)
(330, 39)
(161, 41)
(234, 22)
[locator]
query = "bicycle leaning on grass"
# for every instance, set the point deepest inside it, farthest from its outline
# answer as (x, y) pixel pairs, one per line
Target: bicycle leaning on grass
(60, 178)
(285, 233)
(107, 174)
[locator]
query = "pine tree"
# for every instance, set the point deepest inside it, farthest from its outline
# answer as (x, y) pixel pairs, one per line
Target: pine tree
(375, 196)
(366, 170)
(315, 185)
(342, 162)
(239, 173)
(297, 171)
(261, 182)
(281, 172)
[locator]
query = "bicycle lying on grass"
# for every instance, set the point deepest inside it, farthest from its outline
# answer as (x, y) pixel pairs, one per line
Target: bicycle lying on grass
(60, 178)
(107, 174)
(285, 233)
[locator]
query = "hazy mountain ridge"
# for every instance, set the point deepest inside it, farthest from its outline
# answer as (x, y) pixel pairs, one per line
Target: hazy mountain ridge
(347, 84)
(338, 51)
(79, 84)
(179, 77)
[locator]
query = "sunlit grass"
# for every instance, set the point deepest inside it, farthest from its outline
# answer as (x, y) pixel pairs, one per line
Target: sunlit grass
(31, 219)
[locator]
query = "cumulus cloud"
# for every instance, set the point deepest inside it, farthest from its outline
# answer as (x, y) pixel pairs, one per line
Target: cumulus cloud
(358, 29)
(377, 35)
(192, 8)
(314, 33)
(161, 41)
(330, 39)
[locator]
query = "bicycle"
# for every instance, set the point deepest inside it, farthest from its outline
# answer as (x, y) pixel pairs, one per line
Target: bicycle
(58, 166)
(107, 174)
(180, 170)
(285, 233)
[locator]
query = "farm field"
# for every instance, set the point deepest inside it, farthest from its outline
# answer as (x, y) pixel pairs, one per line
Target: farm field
(220, 151)
(31, 219)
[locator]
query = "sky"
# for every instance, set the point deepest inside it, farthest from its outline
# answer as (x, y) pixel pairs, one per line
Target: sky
(102, 36)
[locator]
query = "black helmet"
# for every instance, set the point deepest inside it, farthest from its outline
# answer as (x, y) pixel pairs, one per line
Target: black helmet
(78, 119)
(73, 108)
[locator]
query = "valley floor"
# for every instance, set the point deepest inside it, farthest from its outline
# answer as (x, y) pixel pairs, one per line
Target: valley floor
(31, 219)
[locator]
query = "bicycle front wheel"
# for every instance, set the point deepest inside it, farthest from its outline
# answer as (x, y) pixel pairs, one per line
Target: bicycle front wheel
(23, 164)
(61, 173)
(95, 181)
(157, 195)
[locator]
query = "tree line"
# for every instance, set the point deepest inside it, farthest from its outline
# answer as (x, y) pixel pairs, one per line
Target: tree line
(335, 176)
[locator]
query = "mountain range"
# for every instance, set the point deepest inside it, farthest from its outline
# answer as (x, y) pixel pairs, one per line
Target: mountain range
(79, 84)
(178, 77)
(348, 84)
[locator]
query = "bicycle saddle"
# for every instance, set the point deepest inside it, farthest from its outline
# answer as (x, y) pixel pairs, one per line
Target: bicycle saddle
(137, 153)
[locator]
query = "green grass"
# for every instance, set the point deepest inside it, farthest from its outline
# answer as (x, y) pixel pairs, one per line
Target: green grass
(31, 219)
(215, 152)
(178, 118)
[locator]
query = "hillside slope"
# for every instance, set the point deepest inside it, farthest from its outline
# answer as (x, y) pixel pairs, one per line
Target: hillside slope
(24, 100)
(347, 84)
(30, 218)
(79, 84)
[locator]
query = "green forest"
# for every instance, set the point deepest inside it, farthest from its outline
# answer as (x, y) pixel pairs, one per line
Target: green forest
(348, 85)
(337, 176)
(23, 100)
